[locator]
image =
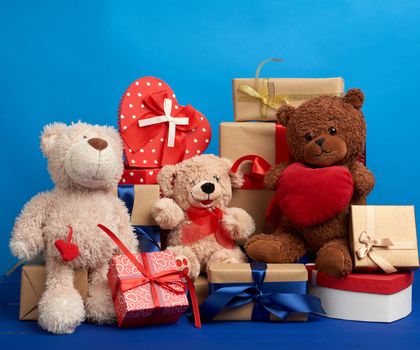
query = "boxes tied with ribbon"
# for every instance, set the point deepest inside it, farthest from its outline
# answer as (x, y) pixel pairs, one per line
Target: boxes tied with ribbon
(383, 238)
(259, 99)
(258, 292)
(148, 288)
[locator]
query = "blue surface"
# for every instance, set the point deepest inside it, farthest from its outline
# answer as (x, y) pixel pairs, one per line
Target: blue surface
(70, 60)
(64, 61)
(317, 333)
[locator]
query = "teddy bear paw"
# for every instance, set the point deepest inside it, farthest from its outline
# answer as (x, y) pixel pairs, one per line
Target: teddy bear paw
(186, 259)
(167, 213)
(60, 311)
(20, 250)
(333, 261)
(99, 305)
(239, 223)
(230, 261)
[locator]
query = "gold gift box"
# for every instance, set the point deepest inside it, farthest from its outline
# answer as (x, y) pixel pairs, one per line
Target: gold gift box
(241, 273)
(383, 236)
(144, 198)
(259, 99)
(33, 281)
(238, 139)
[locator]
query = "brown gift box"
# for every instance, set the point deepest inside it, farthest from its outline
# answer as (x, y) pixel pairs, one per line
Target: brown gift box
(33, 281)
(383, 237)
(144, 198)
(201, 286)
(248, 94)
(238, 139)
(241, 273)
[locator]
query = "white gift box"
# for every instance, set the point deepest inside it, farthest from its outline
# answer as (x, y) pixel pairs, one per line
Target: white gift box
(363, 297)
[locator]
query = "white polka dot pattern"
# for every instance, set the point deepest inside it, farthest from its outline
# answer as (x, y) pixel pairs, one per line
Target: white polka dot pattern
(149, 149)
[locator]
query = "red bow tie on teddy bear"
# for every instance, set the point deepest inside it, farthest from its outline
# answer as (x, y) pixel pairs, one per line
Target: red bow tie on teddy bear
(205, 222)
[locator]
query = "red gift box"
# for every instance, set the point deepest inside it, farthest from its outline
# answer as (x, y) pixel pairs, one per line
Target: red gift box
(362, 282)
(148, 288)
(363, 296)
(155, 129)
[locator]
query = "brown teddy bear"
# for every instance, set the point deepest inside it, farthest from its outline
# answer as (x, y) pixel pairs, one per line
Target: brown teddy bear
(85, 163)
(315, 188)
(196, 194)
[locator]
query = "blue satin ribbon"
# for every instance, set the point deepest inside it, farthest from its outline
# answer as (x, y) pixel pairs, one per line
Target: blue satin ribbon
(148, 236)
(277, 298)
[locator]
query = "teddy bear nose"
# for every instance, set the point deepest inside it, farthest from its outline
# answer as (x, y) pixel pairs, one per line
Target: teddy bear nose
(320, 141)
(98, 143)
(207, 187)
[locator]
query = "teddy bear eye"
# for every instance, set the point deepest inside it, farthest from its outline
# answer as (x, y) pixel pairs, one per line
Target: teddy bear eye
(216, 178)
(308, 137)
(84, 136)
(332, 130)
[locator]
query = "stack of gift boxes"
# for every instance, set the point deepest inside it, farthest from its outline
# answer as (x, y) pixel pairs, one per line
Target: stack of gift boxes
(157, 131)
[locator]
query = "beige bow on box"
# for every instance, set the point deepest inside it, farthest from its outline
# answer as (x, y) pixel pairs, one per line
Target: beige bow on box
(372, 245)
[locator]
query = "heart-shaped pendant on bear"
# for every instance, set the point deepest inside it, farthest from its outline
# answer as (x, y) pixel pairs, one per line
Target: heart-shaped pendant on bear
(311, 196)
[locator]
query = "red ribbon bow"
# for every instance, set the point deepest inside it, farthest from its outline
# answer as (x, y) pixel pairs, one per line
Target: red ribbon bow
(166, 279)
(254, 179)
(136, 137)
(205, 222)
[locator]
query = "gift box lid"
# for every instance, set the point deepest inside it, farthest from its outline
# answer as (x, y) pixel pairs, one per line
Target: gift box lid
(379, 283)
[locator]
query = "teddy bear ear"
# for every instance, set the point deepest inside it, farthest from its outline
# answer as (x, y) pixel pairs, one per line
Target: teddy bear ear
(355, 97)
(50, 135)
(284, 113)
(166, 178)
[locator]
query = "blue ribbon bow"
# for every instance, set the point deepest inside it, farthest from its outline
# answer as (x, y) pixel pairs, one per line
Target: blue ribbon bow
(277, 298)
(148, 236)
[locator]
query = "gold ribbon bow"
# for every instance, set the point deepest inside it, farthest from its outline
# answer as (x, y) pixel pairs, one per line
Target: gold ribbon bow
(368, 249)
(264, 91)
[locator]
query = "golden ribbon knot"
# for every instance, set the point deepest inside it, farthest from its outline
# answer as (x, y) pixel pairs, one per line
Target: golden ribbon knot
(264, 90)
(367, 249)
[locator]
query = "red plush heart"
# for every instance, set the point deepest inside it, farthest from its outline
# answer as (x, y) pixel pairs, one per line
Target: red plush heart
(68, 251)
(311, 196)
(149, 146)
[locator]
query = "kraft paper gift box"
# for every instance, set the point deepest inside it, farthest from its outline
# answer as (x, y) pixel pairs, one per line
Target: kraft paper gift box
(258, 98)
(363, 296)
(33, 281)
(266, 140)
(139, 199)
(201, 288)
(257, 292)
(148, 288)
(383, 238)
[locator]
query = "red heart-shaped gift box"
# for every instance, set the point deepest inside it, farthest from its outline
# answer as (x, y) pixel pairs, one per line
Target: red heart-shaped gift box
(155, 129)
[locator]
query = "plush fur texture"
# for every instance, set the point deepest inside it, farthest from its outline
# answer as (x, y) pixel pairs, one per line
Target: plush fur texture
(85, 162)
(322, 132)
(181, 186)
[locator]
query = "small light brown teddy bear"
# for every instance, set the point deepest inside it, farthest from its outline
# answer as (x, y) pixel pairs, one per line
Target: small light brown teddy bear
(85, 163)
(197, 193)
(315, 188)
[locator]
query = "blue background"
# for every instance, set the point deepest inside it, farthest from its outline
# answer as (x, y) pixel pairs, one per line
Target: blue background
(71, 60)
